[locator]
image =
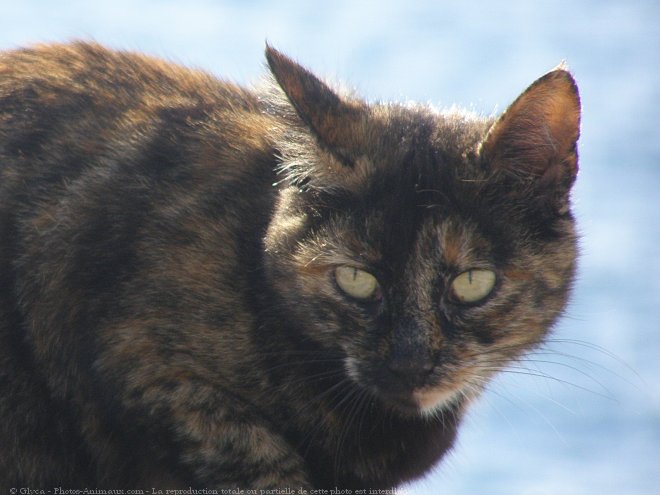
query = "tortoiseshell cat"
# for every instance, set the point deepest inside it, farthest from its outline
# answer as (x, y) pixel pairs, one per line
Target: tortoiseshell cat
(207, 286)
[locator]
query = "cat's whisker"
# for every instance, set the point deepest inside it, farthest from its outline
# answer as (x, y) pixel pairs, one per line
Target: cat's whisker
(594, 366)
(546, 420)
(597, 348)
(315, 401)
(472, 180)
(366, 400)
(504, 363)
(507, 398)
(560, 364)
(304, 381)
(512, 370)
(533, 357)
(352, 401)
(306, 361)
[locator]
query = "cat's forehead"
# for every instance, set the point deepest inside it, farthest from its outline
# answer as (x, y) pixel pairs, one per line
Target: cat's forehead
(407, 153)
(454, 242)
(404, 129)
(408, 240)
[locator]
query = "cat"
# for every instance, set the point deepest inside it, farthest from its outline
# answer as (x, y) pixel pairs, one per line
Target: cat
(204, 285)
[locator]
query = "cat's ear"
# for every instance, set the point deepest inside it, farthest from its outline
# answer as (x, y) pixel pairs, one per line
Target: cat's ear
(331, 119)
(535, 140)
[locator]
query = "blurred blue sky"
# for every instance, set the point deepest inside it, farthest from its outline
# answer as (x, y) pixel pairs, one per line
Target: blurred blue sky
(594, 426)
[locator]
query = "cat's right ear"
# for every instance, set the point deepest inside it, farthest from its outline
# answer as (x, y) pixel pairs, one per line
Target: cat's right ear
(332, 119)
(535, 141)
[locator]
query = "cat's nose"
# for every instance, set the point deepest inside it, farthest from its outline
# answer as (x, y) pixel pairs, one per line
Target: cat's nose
(412, 370)
(410, 360)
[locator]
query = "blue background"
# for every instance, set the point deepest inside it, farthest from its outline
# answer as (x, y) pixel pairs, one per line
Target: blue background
(581, 416)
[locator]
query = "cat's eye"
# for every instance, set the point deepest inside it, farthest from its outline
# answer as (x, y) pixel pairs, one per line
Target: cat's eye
(357, 283)
(473, 285)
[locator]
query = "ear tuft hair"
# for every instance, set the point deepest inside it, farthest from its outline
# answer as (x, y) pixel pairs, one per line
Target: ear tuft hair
(535, 140)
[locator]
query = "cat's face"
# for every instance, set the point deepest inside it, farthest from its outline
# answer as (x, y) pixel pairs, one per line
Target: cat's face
(426, 250)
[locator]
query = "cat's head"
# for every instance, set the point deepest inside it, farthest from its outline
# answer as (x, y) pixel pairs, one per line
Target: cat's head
(426, 249)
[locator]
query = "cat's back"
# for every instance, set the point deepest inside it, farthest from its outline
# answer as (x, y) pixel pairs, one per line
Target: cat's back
(102, 148)
(63, 101)
(76, 76)
(85, 127)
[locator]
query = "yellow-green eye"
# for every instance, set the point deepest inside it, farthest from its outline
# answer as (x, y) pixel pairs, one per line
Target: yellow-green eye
(356, 283)
(473, 285)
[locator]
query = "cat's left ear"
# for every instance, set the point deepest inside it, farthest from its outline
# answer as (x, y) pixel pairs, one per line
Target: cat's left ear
(332, 119)
(535, 140)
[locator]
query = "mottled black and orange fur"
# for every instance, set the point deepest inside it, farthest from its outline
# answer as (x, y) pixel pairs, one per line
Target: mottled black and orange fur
(168, 313)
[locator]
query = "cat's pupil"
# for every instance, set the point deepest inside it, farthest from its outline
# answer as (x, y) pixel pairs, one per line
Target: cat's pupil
(356, 283)
(473, 285)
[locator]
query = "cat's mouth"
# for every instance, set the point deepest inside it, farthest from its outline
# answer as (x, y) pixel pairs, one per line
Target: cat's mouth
(425, 399)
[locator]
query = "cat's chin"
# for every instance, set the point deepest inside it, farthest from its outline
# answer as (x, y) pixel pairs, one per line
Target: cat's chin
(433, 401)
(425, 402)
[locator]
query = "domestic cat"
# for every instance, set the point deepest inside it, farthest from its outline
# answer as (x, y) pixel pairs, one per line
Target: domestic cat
(209, 286)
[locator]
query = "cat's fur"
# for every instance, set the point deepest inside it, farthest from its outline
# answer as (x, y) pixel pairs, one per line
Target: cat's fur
(169, 315)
